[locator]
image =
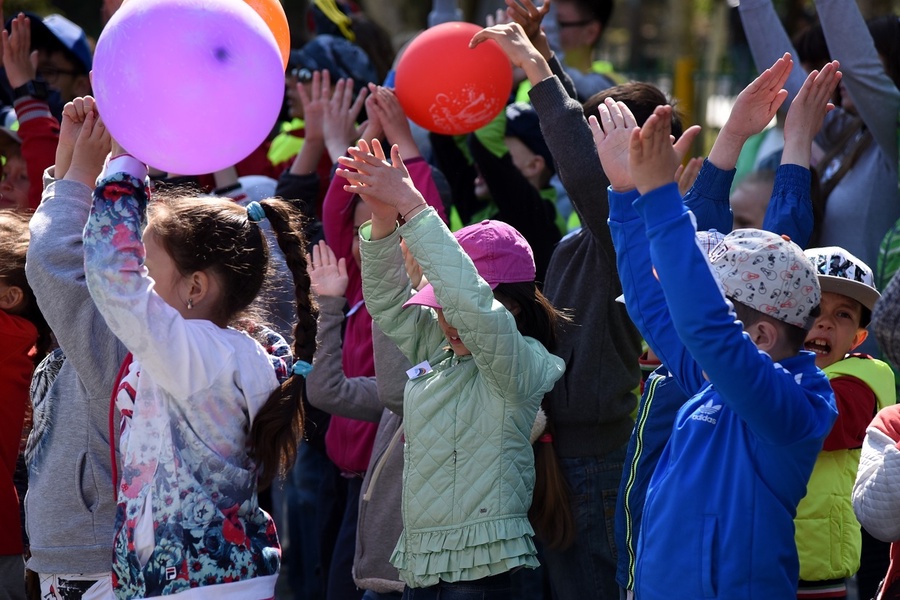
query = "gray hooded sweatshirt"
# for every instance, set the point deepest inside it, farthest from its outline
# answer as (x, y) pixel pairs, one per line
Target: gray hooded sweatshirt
(70, 506)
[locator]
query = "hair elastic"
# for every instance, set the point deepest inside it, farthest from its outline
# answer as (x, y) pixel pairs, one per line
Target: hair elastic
(545, 439)
(255, 212)
(302, 368)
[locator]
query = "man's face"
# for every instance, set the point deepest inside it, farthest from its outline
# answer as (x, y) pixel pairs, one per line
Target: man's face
(576, 28)
(62, 75)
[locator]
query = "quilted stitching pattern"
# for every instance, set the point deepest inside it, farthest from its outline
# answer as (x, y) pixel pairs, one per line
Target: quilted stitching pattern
(469, 469)
(876, 494)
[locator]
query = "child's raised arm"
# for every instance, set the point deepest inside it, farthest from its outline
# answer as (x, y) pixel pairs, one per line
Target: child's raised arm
(807, 113)
(790, 210)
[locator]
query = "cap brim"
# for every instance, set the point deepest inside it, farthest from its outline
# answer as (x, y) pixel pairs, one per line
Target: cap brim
(424, 297)
(862, 293)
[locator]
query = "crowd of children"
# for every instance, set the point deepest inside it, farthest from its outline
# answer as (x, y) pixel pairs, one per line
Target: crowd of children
(375, 362)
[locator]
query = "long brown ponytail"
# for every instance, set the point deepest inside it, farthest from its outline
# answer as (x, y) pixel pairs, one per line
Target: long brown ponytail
(278, 427)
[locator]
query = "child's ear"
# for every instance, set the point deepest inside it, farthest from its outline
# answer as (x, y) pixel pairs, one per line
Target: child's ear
(859, 338)
(200, 287)
(765, 335)
(11, 299)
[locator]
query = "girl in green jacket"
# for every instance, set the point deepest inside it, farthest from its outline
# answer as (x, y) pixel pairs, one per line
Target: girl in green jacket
(478, 336)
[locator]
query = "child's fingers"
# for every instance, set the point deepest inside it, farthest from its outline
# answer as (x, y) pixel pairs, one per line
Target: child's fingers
(90, 105)
(615, 113)
(627, 116)
(396, 160)
(596, 130)
(358, 103)
(683, 144)
(342, 267)
(377, 150)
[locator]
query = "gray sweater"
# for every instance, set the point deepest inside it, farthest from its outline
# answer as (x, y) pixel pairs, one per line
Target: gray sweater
(866, 202)
(591, 405)
(70, 506)
(379, 523)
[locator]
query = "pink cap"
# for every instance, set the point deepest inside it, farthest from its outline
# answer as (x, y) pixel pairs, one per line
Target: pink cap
(500, 254)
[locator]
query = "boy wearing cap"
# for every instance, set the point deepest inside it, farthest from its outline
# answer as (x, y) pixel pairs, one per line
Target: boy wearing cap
(718, 517)
(828, 535)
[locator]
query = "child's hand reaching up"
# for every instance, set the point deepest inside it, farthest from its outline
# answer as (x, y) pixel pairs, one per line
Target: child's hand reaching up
(327, 274)
(518, 48)
(91, 148)
(385, 186)
(652, 158)
(340, 117)
(388, 113)
(807, 112)
(612, 136)
(73, 116)
(754, 108)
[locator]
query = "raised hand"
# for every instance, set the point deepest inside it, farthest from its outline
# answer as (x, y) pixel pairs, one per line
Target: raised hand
(652, 157)
(390, 115)
(73, 116)
(807, 113)
(385, 186)
(18, 59)
(327, 274)
(612, 137)
(530, 17)
(340, 117)
(686, 175)
(91, 148)
(315, 101)
(517, 47)
(753, 110)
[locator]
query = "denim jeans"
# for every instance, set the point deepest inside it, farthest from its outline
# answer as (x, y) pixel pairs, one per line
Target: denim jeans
(496, 587)
(587, 568)
(302, 490)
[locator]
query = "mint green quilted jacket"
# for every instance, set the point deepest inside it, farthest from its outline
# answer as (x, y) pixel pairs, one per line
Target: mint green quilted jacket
(468, 470)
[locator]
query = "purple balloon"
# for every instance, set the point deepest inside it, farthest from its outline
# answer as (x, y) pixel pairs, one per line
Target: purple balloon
(188, 86)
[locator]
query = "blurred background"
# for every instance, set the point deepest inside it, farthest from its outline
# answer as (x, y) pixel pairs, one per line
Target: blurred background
(693, 49)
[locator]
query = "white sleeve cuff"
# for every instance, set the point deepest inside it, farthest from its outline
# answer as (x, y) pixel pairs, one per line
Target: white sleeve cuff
(124, 163)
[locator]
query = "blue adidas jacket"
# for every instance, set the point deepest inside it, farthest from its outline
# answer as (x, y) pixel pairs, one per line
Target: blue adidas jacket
(789, 212)
(718, 518)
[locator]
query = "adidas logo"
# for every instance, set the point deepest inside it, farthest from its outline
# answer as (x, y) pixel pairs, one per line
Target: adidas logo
(707, 412)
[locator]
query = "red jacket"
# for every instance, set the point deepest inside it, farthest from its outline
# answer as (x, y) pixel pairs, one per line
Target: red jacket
(39, 131)
(19, 336)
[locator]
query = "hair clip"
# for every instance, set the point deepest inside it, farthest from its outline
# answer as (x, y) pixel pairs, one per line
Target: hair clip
(255, 212)
(302, 368)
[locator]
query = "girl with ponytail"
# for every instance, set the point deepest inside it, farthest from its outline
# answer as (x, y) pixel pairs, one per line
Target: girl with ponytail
(205, 424)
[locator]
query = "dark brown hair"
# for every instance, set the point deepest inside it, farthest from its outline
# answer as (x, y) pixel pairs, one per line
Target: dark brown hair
(14, 238)
(641, 99)
(794, 336)
(550, 513)
(217, 235)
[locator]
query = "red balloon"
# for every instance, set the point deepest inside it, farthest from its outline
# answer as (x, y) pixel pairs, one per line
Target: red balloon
(446, 87)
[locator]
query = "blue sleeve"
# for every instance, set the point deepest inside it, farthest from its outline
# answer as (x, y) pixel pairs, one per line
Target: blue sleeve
(742, 374)
(643, 295)
(790, 209)
(708, 198)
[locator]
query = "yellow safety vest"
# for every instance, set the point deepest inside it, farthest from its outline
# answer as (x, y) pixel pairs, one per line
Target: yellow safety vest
(827, 533)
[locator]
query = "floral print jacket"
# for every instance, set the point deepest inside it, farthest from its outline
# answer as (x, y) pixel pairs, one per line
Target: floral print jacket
(187, 514)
